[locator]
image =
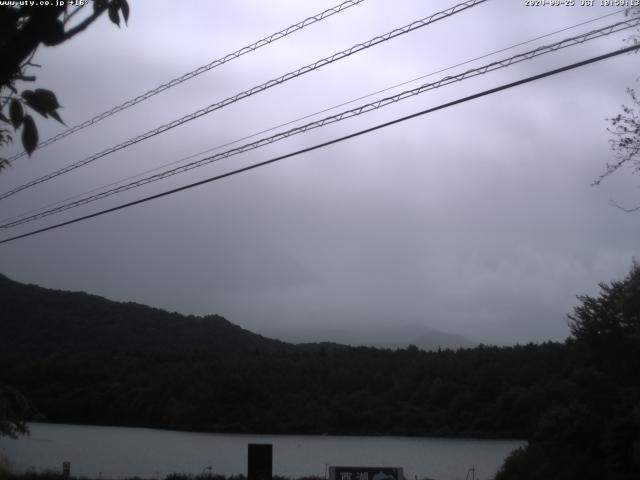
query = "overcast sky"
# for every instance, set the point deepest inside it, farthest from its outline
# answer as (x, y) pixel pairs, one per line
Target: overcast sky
(479, 219)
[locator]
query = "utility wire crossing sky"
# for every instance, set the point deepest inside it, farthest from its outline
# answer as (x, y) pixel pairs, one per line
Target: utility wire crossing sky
(198, 71)
(479, 220)
(64, 204)
(616, 27)
(337, 140)
(252, 91)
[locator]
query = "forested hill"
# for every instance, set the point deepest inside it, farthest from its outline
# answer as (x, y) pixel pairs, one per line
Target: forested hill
(84, 359)
(42, 321)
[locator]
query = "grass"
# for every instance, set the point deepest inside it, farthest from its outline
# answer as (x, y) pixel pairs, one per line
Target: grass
(7, 474)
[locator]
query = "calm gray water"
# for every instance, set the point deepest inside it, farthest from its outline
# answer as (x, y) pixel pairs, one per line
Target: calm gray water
(117, 452)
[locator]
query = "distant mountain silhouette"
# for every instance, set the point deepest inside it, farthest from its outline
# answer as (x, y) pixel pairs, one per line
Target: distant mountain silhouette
(390, 337)
(421, 336)
(42, 321)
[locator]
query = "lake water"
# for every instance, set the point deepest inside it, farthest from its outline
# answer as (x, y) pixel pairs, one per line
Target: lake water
(113, 452)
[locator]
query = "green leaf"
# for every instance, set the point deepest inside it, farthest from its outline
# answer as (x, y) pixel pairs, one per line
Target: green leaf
(48, 98)
(33, 102)
(55, 115)
(43, 101)
(113, 13)
(16, 113)
(124, 8)
(29, 134)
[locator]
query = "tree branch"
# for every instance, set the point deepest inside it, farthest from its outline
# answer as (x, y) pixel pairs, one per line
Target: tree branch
(627, 210)
(82, 25)
(69, 16)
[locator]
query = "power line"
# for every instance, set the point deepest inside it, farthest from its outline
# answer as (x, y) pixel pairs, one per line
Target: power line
(338, 117)
(331, 142)
(198, 71)
(255, 134)
(496, 65)
(259, 88)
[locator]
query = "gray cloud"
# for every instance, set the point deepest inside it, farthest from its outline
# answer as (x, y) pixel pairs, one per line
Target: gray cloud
(479, 219)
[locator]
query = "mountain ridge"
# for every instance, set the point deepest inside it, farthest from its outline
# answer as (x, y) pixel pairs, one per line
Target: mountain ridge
(377, 336)
(46, 321)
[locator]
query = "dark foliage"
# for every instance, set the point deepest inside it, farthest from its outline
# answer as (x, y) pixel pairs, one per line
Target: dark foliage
(596, 433)
(25, 26)
(625, 129)
(38, 322)
(173, 476)
(480, 392)
(14, 410)
(84, 359)
(578, 402)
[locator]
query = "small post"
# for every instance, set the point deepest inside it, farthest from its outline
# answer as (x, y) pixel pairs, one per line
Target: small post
(66, 469)
(260, 462)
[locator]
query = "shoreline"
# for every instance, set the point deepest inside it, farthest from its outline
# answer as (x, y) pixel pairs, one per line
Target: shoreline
(487, 438)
